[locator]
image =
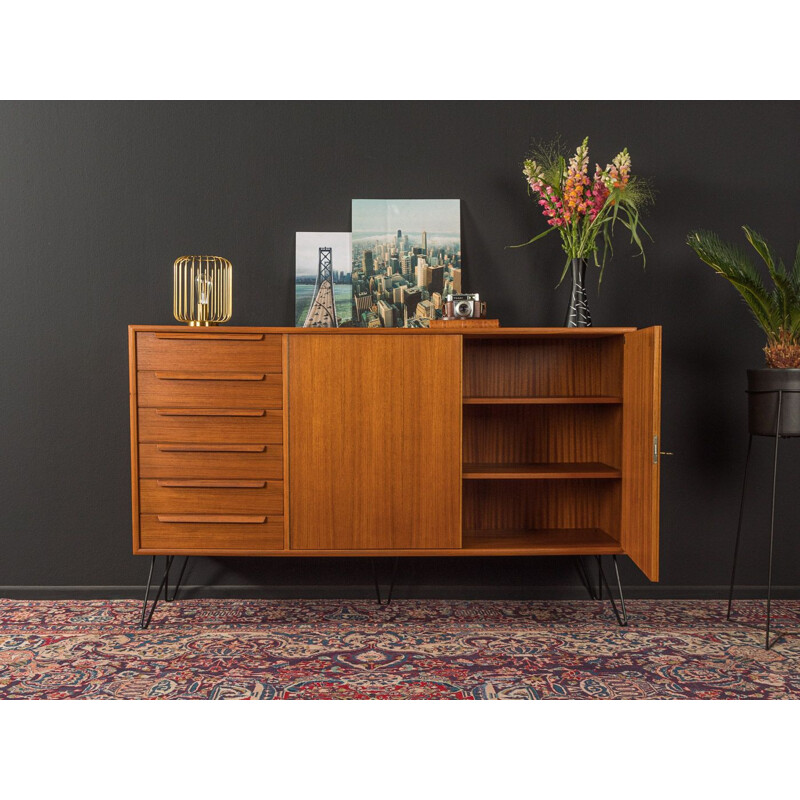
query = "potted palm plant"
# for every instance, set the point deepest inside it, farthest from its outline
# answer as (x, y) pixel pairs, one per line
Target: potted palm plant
(777, 311)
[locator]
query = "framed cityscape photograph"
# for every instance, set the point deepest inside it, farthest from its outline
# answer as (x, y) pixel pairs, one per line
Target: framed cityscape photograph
(406, 258)
(323, 294)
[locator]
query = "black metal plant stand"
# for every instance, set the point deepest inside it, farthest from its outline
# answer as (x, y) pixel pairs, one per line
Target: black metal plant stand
(163, 587)
(777, 436)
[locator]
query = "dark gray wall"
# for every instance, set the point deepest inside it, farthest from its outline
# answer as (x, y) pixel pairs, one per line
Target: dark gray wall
(98, 199)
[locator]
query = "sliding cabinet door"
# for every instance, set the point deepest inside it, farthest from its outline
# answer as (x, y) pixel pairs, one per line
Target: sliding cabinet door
(374, 441)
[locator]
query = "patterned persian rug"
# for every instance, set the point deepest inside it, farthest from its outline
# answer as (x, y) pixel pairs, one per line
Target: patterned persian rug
(412, 649)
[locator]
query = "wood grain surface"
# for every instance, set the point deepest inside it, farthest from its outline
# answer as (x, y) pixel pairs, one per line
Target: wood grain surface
(375, 442)
(223, 425)
(222, 392)
(641, 413)
(266, 462)
(517, 505)
(542, 367)
(200, 537)
(209, 351)
(207, 496)
(513, 434)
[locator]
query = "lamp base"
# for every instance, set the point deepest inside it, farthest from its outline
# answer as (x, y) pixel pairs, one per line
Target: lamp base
(196, 324)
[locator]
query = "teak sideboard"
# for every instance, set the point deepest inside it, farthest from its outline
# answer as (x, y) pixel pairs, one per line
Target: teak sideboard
(395, 442)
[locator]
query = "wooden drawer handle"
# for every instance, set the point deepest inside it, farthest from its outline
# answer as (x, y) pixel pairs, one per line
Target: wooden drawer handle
(228, 337)
(232, 518)
(211, 448)
(210, 412)
(210, 376)
(208, 483)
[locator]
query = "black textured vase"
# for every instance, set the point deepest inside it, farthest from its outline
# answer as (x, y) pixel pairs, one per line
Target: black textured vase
(764, 386)
(578, 315)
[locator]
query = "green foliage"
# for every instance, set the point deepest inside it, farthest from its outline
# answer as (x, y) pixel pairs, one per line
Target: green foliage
(776, 309)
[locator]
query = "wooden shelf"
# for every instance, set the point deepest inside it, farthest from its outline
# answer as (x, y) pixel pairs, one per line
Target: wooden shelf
(569, 400)
(538, 471)
(545, 542)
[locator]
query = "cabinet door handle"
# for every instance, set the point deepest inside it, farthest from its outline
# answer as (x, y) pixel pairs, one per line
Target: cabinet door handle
(209, 483)
(228, 337)
(210, 412)
(211, 448)
(184, 375)
(223, 518)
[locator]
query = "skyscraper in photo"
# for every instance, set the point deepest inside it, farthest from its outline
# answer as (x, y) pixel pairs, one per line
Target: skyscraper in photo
(433, 279)
(386, 314)
(411, 299)
(363, 302)
(367, 262)
(425, 241)
(420, 271)
(425, 310)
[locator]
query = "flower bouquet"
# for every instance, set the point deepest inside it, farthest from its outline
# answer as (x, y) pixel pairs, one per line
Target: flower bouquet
(584, 208)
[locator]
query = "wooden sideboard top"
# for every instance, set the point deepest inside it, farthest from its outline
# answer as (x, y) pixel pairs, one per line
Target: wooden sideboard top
(480, 333)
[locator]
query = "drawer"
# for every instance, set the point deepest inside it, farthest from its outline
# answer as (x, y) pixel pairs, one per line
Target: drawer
(209, 351)
(210, 496)
(199, 532)
(239, 425)
(211, 461)
(178, 388)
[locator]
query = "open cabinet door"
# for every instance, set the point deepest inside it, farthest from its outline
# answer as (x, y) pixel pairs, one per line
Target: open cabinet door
(641, 423)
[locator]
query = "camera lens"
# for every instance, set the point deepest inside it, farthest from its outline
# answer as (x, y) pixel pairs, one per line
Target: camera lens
(462, 308)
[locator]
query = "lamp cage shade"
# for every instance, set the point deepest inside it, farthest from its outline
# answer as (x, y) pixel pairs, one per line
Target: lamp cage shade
(202, 290)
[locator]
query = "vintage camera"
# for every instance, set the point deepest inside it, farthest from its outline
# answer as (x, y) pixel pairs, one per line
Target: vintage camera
(463, 306)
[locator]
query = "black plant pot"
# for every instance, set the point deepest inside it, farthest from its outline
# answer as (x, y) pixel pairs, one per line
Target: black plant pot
(763, 388)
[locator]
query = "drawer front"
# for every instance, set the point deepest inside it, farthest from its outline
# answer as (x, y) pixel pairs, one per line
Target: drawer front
(180, 389)
(199, 532)
(209, 351)
(211, 425)
(210, 496)
(211, 461)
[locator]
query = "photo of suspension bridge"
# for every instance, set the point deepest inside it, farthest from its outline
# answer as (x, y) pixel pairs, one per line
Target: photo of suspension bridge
(406, 259)
(323, 285)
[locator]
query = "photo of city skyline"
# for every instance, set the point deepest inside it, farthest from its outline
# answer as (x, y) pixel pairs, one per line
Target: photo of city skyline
(322, 285)
(406, 258)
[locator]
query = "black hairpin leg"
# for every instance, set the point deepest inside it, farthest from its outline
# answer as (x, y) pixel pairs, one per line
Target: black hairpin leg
(622, 619)
(377, 585)
(162, 586)
(178, 584)
(585, 577)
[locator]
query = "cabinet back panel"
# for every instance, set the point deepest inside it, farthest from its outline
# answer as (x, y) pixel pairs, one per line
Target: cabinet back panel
(543, 367)
(534, 434)
(533, 505)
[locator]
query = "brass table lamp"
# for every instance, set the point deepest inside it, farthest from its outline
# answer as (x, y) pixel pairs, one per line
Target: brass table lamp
(202, 290)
